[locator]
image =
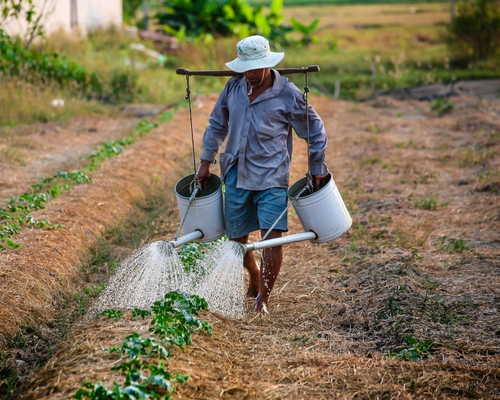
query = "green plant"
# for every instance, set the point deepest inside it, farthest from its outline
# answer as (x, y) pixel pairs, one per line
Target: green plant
(134, 346)
(190, 253)
(173, 321)
(438, 311)
(477, 25)
(417, 351)
(173, 318)
(428, 202)
(130, 8)
(136, 385)
(206, 18)
(392, 306)
(307, 31)
(8, 378)
(24, 12)
(442, 106)
(136, 312)
(44, 68)
(113, 314)
(453, 244)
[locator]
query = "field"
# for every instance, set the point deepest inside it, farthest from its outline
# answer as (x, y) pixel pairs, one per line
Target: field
(405, 305)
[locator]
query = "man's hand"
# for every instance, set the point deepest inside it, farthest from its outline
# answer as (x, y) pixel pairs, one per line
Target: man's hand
(203, 173)
(319, 181)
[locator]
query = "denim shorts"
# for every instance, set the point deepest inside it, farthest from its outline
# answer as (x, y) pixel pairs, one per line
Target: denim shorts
(250, 210)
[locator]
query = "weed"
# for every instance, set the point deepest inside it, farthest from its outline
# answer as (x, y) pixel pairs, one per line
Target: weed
(137, 312)
(426, 178)
(442, 106)
(473, 157)
(83, 298)
(392, 306)
(10, 156)
(442, 313)
(405, 145)
(452, 244)
(417, 351)
(303, 339)
(8, 379)
(428, 202)
(113, 314)
(368, 162)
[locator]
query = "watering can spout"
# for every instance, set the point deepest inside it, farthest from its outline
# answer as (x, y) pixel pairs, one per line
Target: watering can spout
(197, 234)
(298, 237)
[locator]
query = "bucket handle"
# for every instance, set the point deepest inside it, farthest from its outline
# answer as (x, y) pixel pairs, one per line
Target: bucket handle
(195, 186)
(306, 187)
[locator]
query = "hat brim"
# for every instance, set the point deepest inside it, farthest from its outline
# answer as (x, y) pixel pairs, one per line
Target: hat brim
(240, 66)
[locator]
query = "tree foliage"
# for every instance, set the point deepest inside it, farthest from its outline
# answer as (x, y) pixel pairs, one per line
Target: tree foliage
(26, 11)
(208, 18)
(477, 25)
(130, 7)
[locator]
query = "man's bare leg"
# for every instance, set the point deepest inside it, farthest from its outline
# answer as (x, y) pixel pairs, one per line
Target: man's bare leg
(271, 265)
(251, 266)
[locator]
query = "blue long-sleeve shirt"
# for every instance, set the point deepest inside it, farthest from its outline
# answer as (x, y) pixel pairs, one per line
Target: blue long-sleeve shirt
(259, 134)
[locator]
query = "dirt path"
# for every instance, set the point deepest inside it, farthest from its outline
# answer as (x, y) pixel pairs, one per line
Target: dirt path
(421, 261)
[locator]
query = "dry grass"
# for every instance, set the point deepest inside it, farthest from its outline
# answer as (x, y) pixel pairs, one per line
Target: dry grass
(21, 101)
(338, 308)
(344, 16)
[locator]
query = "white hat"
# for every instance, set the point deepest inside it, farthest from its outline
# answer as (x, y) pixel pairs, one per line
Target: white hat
(254, 53)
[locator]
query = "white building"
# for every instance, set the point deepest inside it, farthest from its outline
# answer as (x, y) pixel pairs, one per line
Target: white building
(78, 16)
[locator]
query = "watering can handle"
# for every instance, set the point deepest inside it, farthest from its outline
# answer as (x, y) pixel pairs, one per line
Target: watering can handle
(282, 71)
(195, 189)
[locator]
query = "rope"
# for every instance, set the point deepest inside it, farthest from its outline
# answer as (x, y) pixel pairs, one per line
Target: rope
(188, 98)
(194, 186)
(306, 99)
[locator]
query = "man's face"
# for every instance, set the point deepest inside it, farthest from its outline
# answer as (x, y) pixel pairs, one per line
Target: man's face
(254, 76)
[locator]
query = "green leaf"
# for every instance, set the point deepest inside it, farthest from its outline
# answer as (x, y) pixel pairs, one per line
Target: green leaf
(12, 244)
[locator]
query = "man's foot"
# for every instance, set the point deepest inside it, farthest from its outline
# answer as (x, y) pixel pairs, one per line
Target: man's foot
(252, 292)
(260, 305)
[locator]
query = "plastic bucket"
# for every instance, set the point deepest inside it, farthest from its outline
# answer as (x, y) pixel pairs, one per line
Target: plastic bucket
(322, 212)
(206, 213)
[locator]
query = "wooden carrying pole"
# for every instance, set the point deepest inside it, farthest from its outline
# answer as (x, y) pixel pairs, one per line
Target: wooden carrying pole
(228, 72)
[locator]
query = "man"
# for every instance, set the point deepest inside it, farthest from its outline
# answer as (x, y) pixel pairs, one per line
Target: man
(256, 112)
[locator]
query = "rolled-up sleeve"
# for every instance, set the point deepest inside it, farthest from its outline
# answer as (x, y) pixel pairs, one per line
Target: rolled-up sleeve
(317, 135)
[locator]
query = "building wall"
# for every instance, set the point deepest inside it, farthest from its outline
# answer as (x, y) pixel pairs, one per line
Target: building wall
(76, 16)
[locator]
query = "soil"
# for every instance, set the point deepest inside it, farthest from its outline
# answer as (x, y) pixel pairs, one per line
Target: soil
(421, 261)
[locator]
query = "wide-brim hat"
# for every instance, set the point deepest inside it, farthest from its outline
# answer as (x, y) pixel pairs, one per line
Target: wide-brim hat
(254, 53)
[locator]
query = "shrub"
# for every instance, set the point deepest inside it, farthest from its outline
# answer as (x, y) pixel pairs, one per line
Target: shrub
(50, 68)
(130, 8)
(477, 26)
(206, 18)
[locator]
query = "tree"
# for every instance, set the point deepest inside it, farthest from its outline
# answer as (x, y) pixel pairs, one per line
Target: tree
(477, 25)
(31, 22)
